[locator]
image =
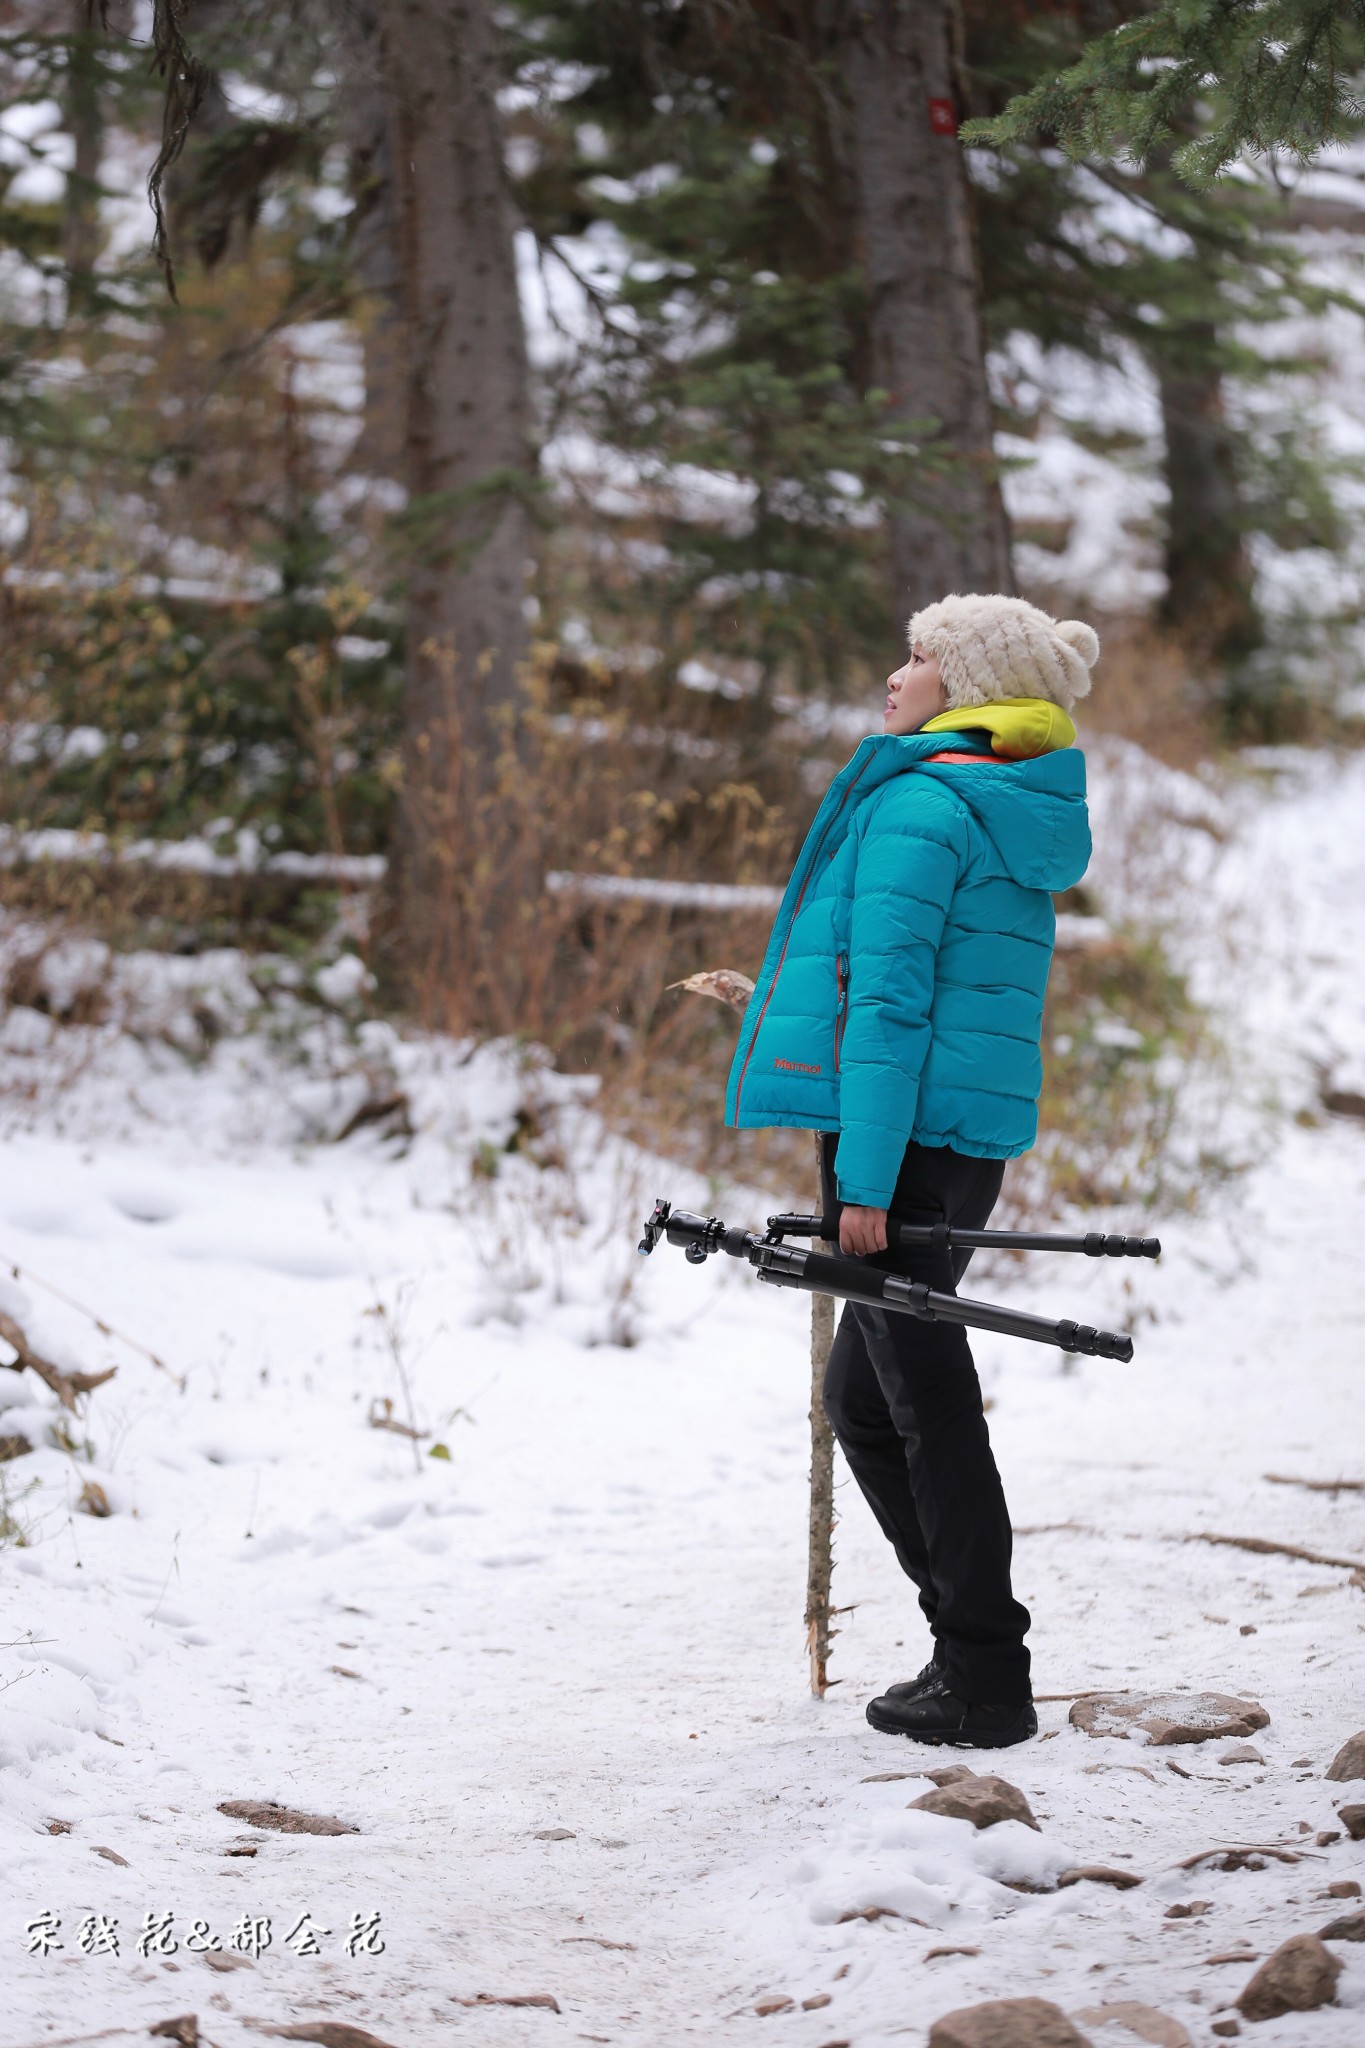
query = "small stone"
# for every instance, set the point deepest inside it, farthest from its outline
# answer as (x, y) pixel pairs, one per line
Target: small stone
(818, 2003)
(983, 1801)
(555, 1835)
(227, 1959)
(1326, 1836)
(1248, 1628)
(1170, 1717)
(1145, 2021)
(1352, 1818)
(1298, 1977)
(185, 2030)
(1350, 1928)
(948, 1774)
(1006, 2023)
(1242, 1753)
(1098, 1873)
(1193, 1910)
(767, 2006)
(1302, 1763)
(112, 1856)
(1343, 1888)
(1227, 2029)
(1349, 1761)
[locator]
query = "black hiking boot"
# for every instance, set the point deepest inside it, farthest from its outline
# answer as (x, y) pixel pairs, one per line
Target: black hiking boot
(911, 1688)
(938, 1716)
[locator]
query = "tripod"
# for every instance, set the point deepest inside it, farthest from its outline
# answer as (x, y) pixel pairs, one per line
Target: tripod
(784, 1265)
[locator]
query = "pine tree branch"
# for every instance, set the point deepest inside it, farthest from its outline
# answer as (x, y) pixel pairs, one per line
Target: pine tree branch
(1268, 74)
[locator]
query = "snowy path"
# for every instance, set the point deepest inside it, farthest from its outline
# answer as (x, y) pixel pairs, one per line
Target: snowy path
(588, 1621)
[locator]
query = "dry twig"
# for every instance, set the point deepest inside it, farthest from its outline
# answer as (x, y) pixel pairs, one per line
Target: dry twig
(1264, 1548)
(1317, 1485)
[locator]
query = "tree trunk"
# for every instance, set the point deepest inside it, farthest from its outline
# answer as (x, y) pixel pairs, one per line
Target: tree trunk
(84, 117)
(1210, 593)
(374, 244)
(898, 64)
(467, 465)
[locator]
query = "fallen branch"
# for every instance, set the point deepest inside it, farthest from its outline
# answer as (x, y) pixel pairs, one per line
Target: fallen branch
(1264, 1548)
(540, 1999)
(65, 1385)
(1237, 1856)
(1317, 1485)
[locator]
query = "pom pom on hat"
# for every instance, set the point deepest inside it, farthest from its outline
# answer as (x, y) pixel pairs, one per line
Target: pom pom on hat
(994, 647)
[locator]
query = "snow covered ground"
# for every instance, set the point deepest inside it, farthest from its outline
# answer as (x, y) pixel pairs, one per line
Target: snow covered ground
(556, 1680)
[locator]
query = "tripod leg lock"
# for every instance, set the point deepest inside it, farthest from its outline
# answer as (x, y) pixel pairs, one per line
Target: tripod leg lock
(912, 1295)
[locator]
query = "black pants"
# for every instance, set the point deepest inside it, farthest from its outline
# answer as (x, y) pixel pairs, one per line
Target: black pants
(904, 1402)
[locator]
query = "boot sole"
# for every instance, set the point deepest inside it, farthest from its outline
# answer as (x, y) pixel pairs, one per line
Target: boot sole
(951, 1738)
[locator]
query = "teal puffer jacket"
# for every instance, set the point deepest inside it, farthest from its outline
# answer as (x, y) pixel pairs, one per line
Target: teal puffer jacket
(901, 994)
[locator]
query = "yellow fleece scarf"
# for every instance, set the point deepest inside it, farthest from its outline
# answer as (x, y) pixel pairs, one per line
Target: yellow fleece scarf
(1020, 727)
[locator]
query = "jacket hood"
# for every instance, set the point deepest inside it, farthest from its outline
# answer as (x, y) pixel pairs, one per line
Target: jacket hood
(1028, 793)
(1020, 727)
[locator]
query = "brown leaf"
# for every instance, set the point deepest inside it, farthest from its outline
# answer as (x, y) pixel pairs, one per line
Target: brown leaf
(726, 984)
(265, 1813)
(94, 1500)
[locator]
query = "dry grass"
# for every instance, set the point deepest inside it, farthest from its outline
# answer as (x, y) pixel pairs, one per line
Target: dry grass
(1150, 689)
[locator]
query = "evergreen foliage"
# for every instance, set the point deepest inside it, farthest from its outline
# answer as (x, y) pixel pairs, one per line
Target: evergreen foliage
(1267, 76)
(727, 363)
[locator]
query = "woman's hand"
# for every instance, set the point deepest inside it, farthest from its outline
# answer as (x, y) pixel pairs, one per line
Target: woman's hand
(861, 1231)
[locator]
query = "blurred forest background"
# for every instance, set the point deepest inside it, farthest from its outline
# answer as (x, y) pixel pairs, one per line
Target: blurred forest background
(469, 528)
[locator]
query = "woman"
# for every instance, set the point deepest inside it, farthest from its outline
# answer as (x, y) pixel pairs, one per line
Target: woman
(899, 1010)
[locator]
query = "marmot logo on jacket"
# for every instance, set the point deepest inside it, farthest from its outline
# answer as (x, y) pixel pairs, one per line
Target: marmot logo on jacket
(796, 1067)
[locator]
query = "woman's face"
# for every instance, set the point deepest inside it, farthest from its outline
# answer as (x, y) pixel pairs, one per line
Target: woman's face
(914, 693)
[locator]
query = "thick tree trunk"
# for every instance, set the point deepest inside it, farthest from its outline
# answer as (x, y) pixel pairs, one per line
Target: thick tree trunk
(897, 60)
(1210, 592)
(466, 460)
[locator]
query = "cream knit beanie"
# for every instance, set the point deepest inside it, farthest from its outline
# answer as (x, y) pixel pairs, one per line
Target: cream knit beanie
(993, 647)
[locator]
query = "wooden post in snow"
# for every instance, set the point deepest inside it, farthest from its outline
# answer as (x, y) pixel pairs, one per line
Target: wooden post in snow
(729, 986)
(820, 1549)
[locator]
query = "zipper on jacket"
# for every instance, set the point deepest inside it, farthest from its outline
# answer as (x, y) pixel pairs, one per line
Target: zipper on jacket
(841, 1012)
(772, 985)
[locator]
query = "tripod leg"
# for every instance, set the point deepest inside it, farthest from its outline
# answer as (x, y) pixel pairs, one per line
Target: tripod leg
(819, 1555)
